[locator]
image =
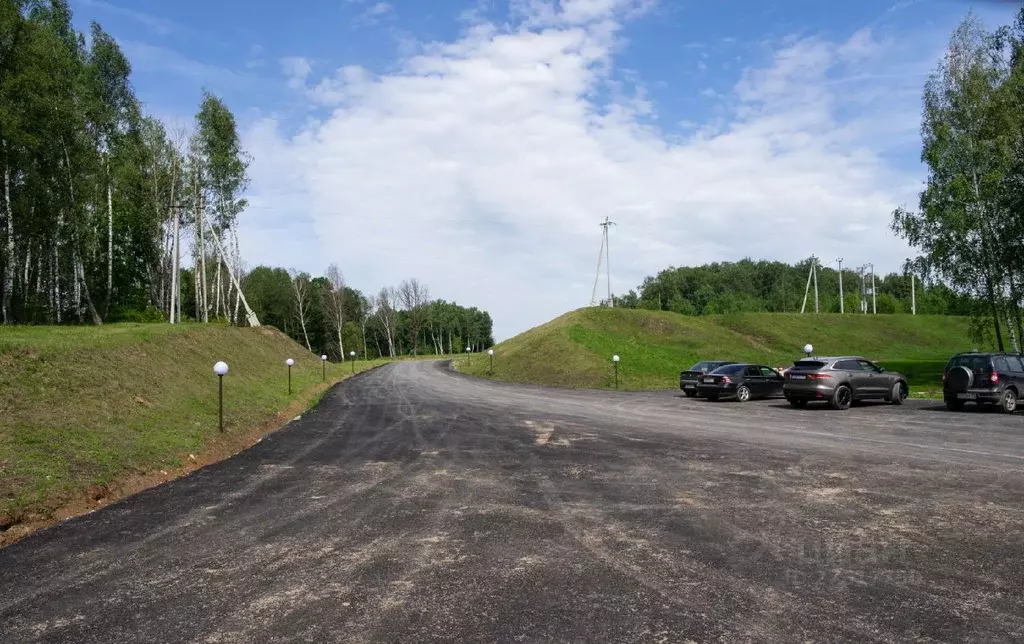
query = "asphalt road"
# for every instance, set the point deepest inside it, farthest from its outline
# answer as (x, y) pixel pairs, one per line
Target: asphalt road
(415, 504)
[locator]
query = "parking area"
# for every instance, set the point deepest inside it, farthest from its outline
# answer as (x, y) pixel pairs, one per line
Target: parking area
(419, 505)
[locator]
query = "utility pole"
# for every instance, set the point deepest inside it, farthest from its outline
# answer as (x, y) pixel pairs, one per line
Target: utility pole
(874, 297)
(812, 275)
(863, 289)
(814, 269)
(842, 307)
(603, 255)
(913, 294)
(608, 261)
(807, 289)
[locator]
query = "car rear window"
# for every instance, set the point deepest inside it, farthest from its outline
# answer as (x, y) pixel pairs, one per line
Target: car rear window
(977, 364)
(729, 369)
(809, 364)
(704, 366)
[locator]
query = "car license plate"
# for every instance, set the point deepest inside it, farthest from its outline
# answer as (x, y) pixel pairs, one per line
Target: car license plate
(967, 396)
(689, 386)
(798, 376)
(709, 380)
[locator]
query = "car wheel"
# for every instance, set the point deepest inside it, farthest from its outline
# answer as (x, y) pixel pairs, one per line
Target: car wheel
(842, 397)
(1008, 403)
(898, 394)
(954, 405)
(690, 394)
(799, 404)
(712, 397)
(743, 393)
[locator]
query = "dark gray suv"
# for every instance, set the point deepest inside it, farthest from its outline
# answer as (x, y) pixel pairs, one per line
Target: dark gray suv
(840, 381)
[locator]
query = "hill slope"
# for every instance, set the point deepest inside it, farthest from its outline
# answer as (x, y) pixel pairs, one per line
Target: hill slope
(575, 349)
(82, 408)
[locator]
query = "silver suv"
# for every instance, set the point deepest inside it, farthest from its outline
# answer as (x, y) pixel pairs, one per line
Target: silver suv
(842, 380)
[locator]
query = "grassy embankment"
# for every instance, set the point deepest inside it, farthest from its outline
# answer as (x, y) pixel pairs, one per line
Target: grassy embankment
(88, 414)
(575, 350)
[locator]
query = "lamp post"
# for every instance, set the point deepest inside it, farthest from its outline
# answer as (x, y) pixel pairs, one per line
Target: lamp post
(352, 354)
(221, 369)
(615, 361)
(469, 357)
(490, 352)
(808, 349)
(289, 362)
(323, 359)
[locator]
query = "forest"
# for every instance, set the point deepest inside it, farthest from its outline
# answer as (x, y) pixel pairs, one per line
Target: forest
(776, 287)
(107, 216)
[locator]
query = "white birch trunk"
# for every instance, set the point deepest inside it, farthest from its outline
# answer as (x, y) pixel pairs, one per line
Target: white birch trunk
(366, 350)
(56, 268)
(216, 294)
(238, 271)
(201, 216)
(175, 308)
(9, 275)
(110, 242)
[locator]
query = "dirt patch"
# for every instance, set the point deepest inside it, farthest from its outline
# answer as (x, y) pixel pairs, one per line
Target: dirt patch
(14, 528)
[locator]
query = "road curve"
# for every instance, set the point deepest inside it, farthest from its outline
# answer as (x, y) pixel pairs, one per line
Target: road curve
(415, 504)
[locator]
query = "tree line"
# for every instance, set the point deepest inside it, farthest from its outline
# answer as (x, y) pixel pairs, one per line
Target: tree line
(749, 286)
(101, 204)
(98, 198)
(328, 317)
(968, 227)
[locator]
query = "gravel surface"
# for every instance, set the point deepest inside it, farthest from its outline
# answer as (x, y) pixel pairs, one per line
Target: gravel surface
(416, 504)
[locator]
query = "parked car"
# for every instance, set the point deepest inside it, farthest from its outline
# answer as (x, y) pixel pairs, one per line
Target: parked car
(689, 379)
(983, 379)
(840, 381)
(742, 382)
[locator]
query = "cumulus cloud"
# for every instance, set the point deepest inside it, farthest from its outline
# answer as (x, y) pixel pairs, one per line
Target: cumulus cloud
(296, 69)
(483, 165)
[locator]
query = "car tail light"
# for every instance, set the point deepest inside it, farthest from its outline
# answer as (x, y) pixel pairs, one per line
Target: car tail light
(994, 378)
(944, 374)
(819, 376)
(725, 380)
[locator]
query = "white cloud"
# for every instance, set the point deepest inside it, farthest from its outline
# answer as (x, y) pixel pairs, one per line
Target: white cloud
(374, 13)
(483, 166)
(297, 69)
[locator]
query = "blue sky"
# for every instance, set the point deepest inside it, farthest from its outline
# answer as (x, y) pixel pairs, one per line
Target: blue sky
(475, 145)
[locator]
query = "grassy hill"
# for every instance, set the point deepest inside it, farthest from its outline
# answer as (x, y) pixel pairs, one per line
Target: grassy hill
(575, 350)
(88, 413)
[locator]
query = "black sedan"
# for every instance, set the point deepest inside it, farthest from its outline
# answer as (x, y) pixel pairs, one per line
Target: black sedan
(742, 382)
(689, 379)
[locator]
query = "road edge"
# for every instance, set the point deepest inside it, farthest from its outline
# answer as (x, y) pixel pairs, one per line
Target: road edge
(215, 451)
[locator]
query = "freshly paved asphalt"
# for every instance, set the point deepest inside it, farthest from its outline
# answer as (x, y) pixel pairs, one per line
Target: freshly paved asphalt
(415, 504)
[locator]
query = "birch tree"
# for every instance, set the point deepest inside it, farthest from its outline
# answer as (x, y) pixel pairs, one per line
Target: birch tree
(967, 150)
(336, 304)
(413, 297)
(111, 111)
(387, 316)
(300, 292)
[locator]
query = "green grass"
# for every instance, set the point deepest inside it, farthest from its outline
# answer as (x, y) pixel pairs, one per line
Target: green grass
(575, 349)
(84, 406)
